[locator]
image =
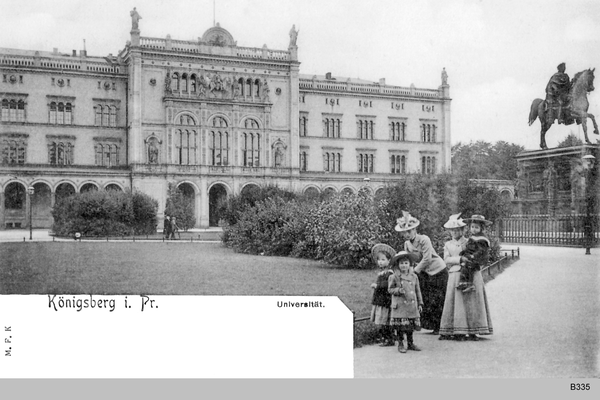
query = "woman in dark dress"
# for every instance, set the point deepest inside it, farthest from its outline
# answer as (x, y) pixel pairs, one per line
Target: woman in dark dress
(430, 268)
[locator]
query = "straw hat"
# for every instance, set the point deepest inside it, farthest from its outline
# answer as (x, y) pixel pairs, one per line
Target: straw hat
(406, 222)
(454, 222)
(382, 248)
(401, 255)
(478, 218)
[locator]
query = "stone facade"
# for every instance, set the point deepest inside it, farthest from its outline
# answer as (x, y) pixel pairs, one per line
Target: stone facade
(208, 116)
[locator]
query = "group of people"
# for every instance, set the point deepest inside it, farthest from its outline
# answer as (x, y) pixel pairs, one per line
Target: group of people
(170, 228)
(416, 288)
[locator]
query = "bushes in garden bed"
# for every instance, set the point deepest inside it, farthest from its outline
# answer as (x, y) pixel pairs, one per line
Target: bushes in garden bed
(104, 213)
(341, 229)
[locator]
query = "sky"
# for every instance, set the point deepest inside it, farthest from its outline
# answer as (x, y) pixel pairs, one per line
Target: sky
(499, 55)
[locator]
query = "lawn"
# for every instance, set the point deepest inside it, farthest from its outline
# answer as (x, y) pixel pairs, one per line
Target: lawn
(177, 268)
(172, 268)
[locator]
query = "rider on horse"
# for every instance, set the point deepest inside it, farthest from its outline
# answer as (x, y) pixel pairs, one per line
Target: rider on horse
(557, 91)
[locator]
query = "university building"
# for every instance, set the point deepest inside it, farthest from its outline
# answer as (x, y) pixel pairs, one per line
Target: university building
(208, 116)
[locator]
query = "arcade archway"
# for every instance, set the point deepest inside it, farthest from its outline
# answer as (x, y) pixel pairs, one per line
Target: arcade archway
(15, 205)
(63, 191)
(216, 197)
(41, 206)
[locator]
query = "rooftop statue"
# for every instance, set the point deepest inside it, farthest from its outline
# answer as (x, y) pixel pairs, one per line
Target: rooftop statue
(293, 35)
(135, 19)
(566, 101)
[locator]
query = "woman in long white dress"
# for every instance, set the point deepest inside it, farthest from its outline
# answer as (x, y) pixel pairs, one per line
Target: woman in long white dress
(465, 314)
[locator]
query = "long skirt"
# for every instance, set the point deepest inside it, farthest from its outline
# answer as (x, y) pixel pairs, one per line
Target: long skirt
(380, 315)
(466, 313)
(433, 290)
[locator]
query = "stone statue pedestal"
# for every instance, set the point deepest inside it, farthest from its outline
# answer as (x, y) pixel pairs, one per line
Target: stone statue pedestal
(553, 181)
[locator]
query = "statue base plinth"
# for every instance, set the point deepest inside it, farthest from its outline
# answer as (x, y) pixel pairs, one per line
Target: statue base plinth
(552, 181)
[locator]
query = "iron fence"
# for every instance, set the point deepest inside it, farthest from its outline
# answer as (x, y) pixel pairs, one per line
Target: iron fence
(556, 230)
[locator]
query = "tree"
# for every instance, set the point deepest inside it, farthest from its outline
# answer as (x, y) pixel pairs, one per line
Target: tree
(570, 141)
(482, 160)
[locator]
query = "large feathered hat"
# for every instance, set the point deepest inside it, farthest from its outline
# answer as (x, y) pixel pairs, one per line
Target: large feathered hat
(406, 222)
(454, 222)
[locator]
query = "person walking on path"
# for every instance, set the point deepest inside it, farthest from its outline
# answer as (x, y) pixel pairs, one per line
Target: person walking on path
(407, 302)
(174, 228)
(167, 227)
(465, 314)
(430, 269)
(382, 300)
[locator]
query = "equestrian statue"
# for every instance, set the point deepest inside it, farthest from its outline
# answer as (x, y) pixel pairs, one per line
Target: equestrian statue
(566, 101)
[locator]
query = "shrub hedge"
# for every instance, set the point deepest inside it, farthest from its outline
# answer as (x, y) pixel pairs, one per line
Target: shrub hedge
(341, 229)
(105, 213)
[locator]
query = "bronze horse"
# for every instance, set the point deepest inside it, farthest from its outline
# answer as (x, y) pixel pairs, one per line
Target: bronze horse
(576, 111)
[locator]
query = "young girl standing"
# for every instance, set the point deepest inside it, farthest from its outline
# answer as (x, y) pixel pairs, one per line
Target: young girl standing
(407, 303)
(382, 300)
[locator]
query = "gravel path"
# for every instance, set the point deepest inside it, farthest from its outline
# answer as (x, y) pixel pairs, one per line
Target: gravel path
(545, 311)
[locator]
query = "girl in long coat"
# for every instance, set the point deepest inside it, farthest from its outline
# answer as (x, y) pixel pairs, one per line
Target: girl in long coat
(467, 314)
(431, 270)
(407, 302)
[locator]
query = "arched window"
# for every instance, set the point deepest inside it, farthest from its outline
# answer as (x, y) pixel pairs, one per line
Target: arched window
(175, 82)
(433, 165)
(242, 89)
(98, 119)
(53, 113)
(251, 146)
(428, 133)
(105, 115)
(303, 161)
(423, 165)
(433, 134)
(184, 83)
(113, 116)
(21, 111)
(248, 91)
(186, 146)
(403, 132)
(193, 83)
(219, 142)
(60, 114)
(13, 151)
(403, 165)
(257, 88)
(13, 110)
(99, 154)
(14, 196)
(68, 114)
(4, 110)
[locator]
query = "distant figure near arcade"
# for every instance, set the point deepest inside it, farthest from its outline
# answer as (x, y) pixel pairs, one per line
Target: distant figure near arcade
(566, 101)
